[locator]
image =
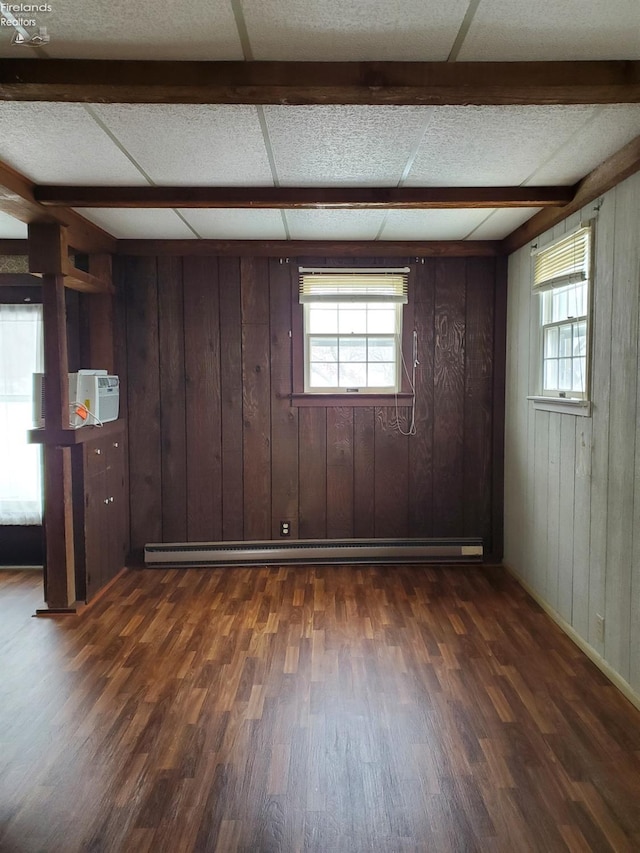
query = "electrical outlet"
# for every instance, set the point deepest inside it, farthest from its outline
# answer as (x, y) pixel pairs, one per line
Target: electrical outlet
(285, 528)
(600, 628)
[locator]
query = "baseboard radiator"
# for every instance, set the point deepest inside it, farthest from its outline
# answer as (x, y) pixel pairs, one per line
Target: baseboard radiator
(312, 551)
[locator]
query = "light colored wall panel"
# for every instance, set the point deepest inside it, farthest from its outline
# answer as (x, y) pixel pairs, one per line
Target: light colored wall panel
(596, 517)
(622, 427)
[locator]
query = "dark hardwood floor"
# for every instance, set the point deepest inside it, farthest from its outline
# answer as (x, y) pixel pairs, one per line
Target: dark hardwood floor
(375, 709)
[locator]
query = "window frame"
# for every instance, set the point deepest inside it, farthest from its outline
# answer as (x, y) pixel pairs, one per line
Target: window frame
(303, 398)
(571, 400)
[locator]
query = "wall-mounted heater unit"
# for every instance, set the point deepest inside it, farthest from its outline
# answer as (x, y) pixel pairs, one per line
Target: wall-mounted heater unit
(313, 551)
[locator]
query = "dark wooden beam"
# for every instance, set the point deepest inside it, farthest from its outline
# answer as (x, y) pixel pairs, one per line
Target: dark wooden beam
(10, 246)
(17, 199)
(385, 198)
(431, 83)
(604, 177)
(317, 248)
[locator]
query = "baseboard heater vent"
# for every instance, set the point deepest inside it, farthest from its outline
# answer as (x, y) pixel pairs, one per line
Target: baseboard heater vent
(327, 551)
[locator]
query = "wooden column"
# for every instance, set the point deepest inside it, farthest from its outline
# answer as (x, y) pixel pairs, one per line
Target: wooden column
(48, 255)
(100, 307)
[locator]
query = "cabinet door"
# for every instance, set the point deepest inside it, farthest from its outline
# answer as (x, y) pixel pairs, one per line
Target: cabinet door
(96, 532)
(116, 507)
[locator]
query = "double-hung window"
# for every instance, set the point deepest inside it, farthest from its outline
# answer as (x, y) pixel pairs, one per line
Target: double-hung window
(562, 278)
(352, 329)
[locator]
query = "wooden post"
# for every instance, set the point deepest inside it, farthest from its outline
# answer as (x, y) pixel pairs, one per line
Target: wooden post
(100, 308)
(48, 254)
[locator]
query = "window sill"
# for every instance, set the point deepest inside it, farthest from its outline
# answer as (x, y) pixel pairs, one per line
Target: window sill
(350, 400)
(562, 405)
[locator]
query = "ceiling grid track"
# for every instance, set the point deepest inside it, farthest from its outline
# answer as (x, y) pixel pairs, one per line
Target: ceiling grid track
(247, 52)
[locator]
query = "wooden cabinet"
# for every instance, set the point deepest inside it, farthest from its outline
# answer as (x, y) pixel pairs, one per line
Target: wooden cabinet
(99, 513)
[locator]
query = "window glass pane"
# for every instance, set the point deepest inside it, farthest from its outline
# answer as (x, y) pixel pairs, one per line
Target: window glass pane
(323, 319)
(551, 375)
(352, 319)
(382, 349)
(565, 340)
(381, 320)
(382, 375)
(579, 374)
(353, 375)
(559, 305)
(323, 375)
(353, 349)
(551, 342)
(323, 349)
(580, 338)
(565, 377)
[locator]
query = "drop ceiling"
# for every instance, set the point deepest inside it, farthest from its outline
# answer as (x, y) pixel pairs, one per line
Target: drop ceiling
(113, 144)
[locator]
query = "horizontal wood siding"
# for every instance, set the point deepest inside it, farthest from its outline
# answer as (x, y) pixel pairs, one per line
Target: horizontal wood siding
(219, 452)
(572, 484)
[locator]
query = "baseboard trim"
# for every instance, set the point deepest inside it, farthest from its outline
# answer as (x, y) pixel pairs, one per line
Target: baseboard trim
(615, 678)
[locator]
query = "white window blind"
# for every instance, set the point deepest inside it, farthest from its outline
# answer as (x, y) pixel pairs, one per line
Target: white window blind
(380, 284)
(564, 262)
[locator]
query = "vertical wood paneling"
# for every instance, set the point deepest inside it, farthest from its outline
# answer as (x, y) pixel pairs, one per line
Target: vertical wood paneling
(589, 508)
(391, 475)
(202, 375)
(231, 398)
(622, 428)
(256, 398)
(448, 395)
(284, 417)
(363, 473)
(145, 452)
(553, 510)
(478, 402)
(339, 472)
(566, 514)
(237, 458)
(313, 473)
(172, 399)
(421, 444)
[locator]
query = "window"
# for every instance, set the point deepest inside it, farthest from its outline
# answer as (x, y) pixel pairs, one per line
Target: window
(352, 329)
(20, 358)
(562, 280)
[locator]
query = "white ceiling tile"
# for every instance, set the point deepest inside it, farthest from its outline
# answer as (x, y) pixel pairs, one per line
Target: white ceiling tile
(492, 146)
(61, 143)
(236, 224)
(431, 224)
(144, 224)
(12, 229)
(548, 29)
(198, 145)
(146, 29)
(609, 130)
(334, 224)
(367, 30)
(349, 145)
(499, 223)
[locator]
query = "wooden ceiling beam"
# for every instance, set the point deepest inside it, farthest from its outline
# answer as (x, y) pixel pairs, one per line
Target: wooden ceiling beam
(317, 248)
(290, 198)
(17, 199)
(614, 170)
(414, 83)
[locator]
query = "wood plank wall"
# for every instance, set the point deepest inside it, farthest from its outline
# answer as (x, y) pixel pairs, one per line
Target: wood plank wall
(572, 485)
(217, 451)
